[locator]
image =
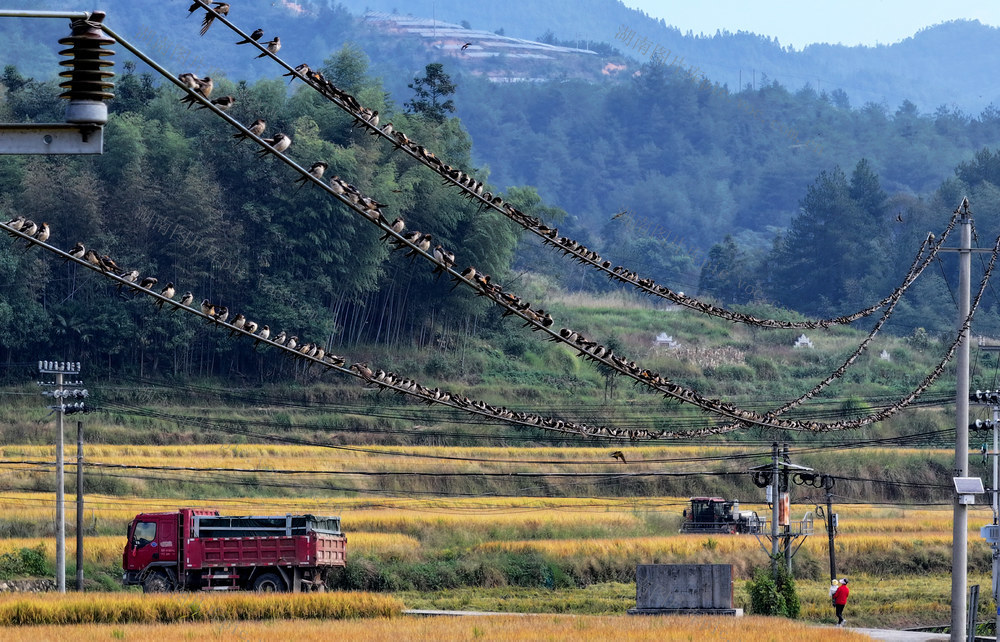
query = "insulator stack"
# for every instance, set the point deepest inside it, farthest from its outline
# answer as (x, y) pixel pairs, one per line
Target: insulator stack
(88, 73)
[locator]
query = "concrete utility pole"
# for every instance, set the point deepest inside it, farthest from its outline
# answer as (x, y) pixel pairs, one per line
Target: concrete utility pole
(786, 504)
(775, 500)
(60, 369)
(79, 505)
(960, 528)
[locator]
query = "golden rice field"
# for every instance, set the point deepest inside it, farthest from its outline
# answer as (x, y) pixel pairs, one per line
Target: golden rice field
(449, 629)
(127, 608)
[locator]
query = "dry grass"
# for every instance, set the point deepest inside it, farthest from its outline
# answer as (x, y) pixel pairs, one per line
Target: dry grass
(446, 629)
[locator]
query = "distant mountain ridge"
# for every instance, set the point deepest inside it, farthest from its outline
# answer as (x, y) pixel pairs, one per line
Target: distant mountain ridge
(946, 64)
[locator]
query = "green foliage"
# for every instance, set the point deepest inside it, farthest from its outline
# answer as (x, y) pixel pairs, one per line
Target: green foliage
(430, 94)
(27, 562)
(773, 593)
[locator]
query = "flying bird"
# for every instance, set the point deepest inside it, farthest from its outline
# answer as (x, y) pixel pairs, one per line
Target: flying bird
(256, 128)
(466, 46)
(272, 47)
(220, 8)
(619, 455)
(899, 217)
(254, 37)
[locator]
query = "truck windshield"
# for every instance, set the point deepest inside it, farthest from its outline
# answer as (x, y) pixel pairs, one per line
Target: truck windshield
(145, 532)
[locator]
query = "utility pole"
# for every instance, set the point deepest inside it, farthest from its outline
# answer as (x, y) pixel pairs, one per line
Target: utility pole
(960, 527)
(828, 482)
(775, 499)
(79, 506)
(786, 506)
(60, 369)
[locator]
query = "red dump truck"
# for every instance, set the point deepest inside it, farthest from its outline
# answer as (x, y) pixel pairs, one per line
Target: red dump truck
(196, 549)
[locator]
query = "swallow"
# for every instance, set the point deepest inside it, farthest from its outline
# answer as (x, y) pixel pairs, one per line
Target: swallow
(187, 299)
(29, 227)
(168, 291)
(221, 314)
(147, 283)
(619, 455)
(250, 326)
(223, 103)
(190, 80)
(217, 9)
(899, 218)
(337, 186)
(41, 235)
(279, 143)
(207, 308)
(292, 342)
(16, 223)
(254, 37)
(302, 70)
(264, 333)
(238, 322)
(204, 89)
(131, 276)
(272, 47)
(256, 128)
(466, 46)
(78, 251)
(280, 339)
(108, 265)
(387, 130)
(316, 170)
(91, 257)
(397, 226)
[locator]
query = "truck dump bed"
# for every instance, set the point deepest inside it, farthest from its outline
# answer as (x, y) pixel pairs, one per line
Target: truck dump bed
(283, 540)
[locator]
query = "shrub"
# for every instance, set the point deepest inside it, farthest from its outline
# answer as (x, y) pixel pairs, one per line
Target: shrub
(773, 595)
(27, 562)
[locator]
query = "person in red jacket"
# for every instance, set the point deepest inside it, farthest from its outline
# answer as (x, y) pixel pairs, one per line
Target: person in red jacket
(840, 600)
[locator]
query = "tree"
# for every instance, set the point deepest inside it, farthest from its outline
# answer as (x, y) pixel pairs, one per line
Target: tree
(429, 92)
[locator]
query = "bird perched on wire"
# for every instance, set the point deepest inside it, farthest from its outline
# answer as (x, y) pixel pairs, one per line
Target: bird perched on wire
(257, 128)
(29, 228)
(619, 455)
(108, 265)
(272, 46)
(217, 9)
(147, 283)
(167, 291)
(254, 37)
(221, 314)
(224, 103)
(207, 308)
(16, 223)
(187, 299)
(204, 89)
(316, 170)
(78, 251)
(301, 70)
(41, 235)
(279, 143)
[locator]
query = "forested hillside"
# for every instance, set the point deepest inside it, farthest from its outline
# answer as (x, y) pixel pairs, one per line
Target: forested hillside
(765, 195)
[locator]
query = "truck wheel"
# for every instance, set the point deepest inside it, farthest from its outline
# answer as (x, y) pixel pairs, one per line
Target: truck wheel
(269, 583)
(156, 583)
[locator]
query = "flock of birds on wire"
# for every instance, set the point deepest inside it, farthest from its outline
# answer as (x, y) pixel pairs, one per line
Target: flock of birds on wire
(416, 241)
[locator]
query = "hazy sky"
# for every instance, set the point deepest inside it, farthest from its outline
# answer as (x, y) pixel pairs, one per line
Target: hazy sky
(799, 23)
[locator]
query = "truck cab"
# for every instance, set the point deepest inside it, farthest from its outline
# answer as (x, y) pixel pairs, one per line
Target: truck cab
(152, 550)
